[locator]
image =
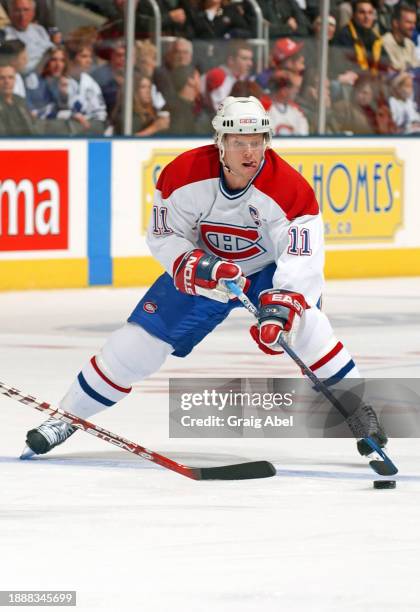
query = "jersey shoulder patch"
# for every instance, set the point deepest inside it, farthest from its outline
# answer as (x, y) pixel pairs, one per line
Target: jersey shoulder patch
(289, 189)
(190, 167)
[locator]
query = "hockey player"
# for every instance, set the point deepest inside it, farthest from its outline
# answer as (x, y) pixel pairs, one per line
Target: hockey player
(233, 211)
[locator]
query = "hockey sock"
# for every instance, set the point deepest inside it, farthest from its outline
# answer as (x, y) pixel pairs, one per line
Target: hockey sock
(322, 352)
(92, 391)
(129, 355)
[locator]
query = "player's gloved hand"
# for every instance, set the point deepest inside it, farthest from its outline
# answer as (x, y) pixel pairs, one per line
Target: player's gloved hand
(279, 311)
(198, 273)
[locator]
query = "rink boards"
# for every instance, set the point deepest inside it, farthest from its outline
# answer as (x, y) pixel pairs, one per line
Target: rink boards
(74, 213)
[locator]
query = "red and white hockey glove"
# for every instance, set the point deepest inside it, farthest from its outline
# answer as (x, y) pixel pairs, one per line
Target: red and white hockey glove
(279, 311)
(198, 273)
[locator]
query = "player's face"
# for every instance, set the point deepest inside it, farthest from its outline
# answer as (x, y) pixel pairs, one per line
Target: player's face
(243, 154)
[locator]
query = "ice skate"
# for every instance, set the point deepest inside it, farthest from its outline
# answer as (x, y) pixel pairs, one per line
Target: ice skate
(364, 423)
(45, 437)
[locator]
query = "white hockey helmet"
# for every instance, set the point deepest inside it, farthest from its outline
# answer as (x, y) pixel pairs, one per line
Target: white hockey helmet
(241, 116)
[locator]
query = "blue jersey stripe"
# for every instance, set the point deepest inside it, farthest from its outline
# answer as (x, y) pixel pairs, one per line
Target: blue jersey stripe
(92, 393)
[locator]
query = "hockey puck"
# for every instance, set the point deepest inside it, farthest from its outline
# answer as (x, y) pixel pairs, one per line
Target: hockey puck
(384, 484)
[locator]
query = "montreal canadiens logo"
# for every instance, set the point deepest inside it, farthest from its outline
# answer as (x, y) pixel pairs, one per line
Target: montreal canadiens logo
(150, 307)
(231, 241)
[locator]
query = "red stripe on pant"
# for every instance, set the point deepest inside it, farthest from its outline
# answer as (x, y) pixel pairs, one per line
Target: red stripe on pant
(333, 352)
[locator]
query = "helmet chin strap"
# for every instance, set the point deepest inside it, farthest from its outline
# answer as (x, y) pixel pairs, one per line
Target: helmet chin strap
(226, 167)
(221, 147)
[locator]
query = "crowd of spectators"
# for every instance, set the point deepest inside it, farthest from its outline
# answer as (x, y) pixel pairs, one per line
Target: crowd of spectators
(52, 84)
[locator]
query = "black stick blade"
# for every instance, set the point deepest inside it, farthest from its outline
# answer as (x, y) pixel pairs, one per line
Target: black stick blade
(239, 471)
(383, 468)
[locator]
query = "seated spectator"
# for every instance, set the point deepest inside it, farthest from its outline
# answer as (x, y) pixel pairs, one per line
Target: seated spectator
(86, 35)
(308, 101)
(403, 108)
(147, 121)
(397, 43)
(339, 75)
(110, 75)
(41, 98)
(363, 42)
(55, 72)
(286, 116)
(359, 114)
(178, 55)
(188, 116)
(218, 82)
(285, 18)
(146, 62)
(385, 124)
(286, 55)
(13, 52)
(15, 118)
(220, 19)
(176, 18)
(47, 91)
(43, 12)
(86, 104)
(34, 36)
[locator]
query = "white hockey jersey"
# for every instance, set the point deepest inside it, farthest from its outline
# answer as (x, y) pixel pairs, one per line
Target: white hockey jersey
(274, 219)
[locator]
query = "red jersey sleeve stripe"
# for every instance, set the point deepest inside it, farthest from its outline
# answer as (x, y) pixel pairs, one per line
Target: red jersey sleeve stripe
(107, 380)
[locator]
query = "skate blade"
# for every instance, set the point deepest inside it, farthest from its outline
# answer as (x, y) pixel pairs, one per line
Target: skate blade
(27, 453)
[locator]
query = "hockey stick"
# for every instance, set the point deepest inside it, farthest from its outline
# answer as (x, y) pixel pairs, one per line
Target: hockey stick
(385, 467)
(240, 471)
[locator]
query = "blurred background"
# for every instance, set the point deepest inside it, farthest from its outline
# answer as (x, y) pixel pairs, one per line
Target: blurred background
(160, 67)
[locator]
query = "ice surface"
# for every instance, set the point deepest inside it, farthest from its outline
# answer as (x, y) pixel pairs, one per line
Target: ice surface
(128, 535)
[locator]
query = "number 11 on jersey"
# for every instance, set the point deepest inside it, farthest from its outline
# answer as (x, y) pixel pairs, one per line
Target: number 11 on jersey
(299, 241)
(160, 226)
